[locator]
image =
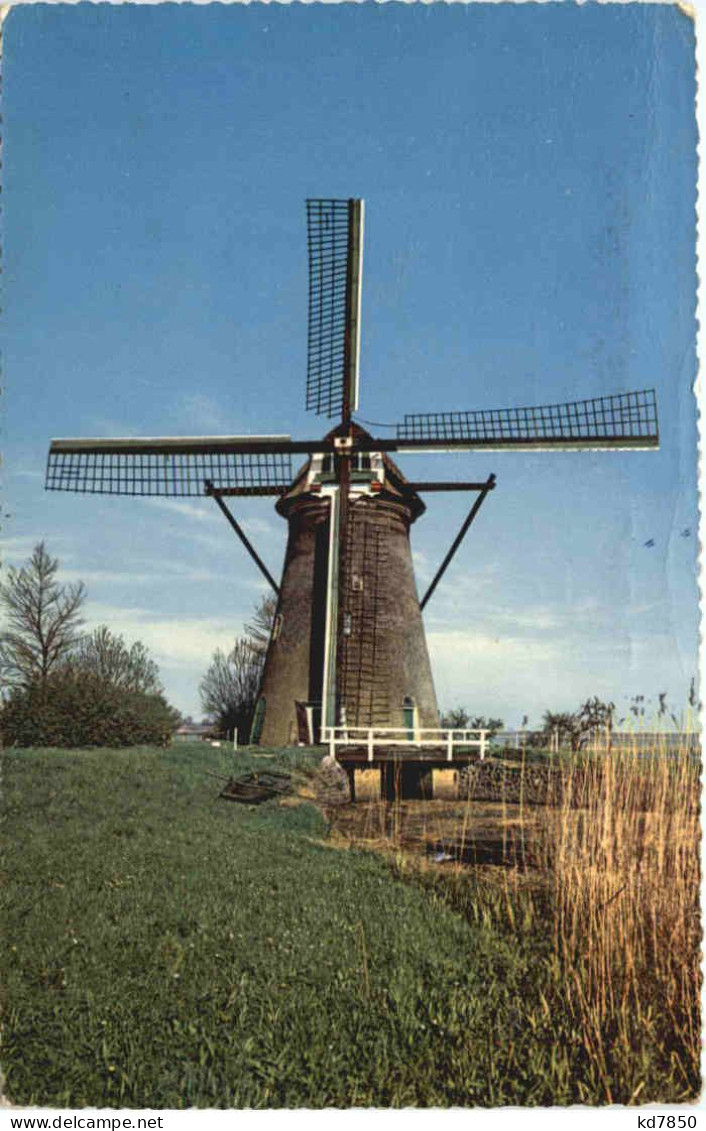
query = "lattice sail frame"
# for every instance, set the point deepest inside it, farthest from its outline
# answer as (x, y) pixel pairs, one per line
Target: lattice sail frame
(335, 239)
(627, 419)
(144, 470)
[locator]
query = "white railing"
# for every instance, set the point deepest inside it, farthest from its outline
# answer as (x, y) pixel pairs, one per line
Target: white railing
(372, 737)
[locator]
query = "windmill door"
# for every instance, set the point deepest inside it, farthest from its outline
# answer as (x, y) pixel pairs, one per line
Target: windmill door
(257, 722)
(411, 722)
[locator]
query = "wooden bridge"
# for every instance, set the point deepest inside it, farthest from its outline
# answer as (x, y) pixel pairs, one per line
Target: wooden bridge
(390, 762)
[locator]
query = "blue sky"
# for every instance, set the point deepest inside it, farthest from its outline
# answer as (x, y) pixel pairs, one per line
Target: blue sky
(529, 177)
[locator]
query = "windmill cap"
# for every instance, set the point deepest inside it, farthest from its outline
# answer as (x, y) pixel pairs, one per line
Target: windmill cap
(395, 486)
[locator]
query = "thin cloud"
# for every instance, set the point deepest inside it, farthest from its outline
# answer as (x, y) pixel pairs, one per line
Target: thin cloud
(199, 512)
(18, 549)
(466, 600)
(175, 642)
(201, 413)
(472, 645)
(262, 526)
(24, 473)
(153, 576)
(107, 427)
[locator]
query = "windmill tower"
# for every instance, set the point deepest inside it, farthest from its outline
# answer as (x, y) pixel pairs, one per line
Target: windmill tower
(381, 665)
(348, 642)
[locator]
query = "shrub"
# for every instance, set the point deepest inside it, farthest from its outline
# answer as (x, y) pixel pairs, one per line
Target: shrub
(75, 709)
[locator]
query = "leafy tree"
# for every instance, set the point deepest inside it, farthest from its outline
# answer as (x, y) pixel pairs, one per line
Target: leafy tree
(459, 719)
(593, 719)
(42, 620)
(105, 655)
(480, 722)
(65, 689)
(562, 726)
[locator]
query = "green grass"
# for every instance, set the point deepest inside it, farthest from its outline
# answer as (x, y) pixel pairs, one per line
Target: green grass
(168, 949)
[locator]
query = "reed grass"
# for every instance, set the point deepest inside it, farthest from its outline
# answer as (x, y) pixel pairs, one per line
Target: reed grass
(605, 906)
(621, 857)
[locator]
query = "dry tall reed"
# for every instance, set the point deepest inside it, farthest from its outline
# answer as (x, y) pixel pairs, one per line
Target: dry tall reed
(621, 855)
(609, 903)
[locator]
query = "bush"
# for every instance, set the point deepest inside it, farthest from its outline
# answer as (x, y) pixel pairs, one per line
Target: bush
(74, 709)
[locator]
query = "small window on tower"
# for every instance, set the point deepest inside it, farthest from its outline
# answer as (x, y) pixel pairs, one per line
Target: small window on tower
(276, 626)
(357, 583)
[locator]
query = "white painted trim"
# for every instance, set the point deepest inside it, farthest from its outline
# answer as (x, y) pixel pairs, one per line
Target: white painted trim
(370, 737)
(331, 578)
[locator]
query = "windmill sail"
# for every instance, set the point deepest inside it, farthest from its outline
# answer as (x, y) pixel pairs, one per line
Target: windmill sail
(335, 237)
(624, 420)
(172, 466)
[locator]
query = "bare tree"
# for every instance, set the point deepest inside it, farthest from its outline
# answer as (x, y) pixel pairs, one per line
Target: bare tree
(230, 685)
(106, 655)
(259, 629)
(42, 620)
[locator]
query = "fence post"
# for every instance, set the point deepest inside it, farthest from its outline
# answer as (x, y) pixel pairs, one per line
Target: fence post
(450, 746)
(482, 745)
(370, 744)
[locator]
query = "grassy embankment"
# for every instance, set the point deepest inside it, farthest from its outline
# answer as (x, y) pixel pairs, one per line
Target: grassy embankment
(167, 949)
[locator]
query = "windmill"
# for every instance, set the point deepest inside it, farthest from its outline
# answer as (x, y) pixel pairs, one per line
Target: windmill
(347, 644)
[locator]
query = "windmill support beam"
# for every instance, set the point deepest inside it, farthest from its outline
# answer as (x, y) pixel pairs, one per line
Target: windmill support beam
(216, 496)
(484, 489)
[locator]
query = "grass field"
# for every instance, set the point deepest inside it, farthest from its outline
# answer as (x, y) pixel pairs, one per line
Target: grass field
(169, 949)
